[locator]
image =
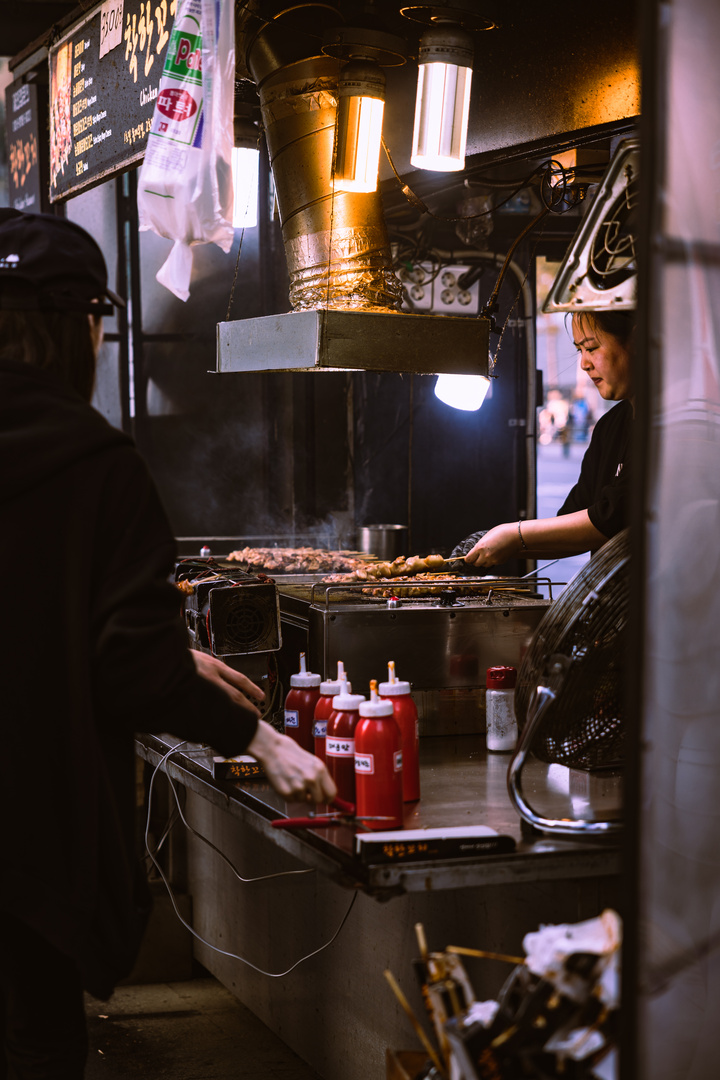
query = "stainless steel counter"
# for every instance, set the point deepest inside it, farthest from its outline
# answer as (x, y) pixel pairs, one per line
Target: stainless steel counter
(306, 951)
(461, 784)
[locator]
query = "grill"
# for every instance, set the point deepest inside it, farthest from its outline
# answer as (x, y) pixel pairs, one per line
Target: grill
(442, 634)
(441, 643)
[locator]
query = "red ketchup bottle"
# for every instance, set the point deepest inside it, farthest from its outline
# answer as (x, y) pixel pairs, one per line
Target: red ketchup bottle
(300, 706)
(324, 708)
(378, 765)
(406, 717)
(340, 741)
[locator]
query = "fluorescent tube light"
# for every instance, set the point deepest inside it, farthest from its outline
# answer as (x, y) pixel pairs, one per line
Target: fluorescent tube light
(361, 103)
(442, 104)
(245, 170)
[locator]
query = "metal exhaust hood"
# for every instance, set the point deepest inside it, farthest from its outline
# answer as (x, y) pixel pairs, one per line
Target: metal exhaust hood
(330, 339)
(343, 289)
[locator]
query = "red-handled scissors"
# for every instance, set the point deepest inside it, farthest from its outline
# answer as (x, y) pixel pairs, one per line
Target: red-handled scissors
(344, 814)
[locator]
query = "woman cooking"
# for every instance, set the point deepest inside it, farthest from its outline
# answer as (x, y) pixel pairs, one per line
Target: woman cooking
(596, 508)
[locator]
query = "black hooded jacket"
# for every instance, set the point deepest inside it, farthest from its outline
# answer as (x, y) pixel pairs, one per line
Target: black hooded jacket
(94, 649)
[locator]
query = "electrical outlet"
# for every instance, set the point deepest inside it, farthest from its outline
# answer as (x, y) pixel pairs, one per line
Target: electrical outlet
(418, 283)
(438, 289)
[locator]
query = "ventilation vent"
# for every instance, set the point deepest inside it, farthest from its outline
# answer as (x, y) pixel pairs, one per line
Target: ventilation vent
(599, 272)
(244, 619)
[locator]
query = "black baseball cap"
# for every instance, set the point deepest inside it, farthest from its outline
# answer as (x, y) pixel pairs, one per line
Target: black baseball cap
(50, 264)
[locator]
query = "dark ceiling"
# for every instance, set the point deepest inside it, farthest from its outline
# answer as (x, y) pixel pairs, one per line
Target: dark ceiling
(23, 21)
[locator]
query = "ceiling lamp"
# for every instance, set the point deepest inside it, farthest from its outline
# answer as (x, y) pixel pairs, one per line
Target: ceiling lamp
(245, 161)
(445, 65)
(466, 392)
(442, 104)
(245, 174)
(361, 101)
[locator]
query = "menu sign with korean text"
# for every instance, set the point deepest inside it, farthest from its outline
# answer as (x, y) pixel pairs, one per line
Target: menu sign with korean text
(22, 128)
(104, 78)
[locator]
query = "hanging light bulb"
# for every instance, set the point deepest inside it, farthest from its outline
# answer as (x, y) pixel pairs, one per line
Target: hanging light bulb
(245, 170)
(442, 104)
(361, 103)
(465, 392)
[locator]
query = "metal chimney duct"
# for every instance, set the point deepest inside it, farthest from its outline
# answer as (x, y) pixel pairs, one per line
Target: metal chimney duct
(342, 286)
(336, 243)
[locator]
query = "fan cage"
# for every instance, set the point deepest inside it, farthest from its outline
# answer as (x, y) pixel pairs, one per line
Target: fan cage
(244, 619)
(584, 727)
(612, 258)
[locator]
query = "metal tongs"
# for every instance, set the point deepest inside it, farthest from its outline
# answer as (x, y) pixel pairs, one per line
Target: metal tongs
(343, 814)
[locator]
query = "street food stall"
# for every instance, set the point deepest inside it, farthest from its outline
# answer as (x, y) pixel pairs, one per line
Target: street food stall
(290, 402)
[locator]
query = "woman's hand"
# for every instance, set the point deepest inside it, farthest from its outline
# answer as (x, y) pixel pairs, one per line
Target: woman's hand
(292, 771)
(496, 546)
(544, 538)
(237, 686)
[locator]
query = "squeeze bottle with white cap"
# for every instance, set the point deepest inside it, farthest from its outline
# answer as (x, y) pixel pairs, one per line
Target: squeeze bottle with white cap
(340, 741)
(300, 705)
(329, 689)
(378, 764)
(406, 718)
(502, 729)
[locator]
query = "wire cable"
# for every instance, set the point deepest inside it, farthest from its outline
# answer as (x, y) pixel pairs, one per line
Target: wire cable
(188, 927)
(519, 292)
(492, 300)
(198, 835)
(223, 856)
(419, 204)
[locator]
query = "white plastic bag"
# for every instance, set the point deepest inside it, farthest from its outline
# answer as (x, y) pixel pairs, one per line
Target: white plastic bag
(185, 189)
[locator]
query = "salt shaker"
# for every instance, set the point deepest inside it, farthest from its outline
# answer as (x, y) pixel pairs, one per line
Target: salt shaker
(502, 729)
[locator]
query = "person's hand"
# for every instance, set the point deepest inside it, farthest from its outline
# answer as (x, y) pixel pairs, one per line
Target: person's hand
(495, 546)
(466, 545)
(292, 771)
(237, 686)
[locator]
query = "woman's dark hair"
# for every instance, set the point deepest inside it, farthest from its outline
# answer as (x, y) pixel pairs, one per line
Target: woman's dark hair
(57, 341)
(620, 324)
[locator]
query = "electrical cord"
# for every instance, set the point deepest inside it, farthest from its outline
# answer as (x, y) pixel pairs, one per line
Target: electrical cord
(276, 690)
(515, 301)
(223, 856)
(215, 948)
(419, 204)
(195, 833)
(491, 304)
(170, 824)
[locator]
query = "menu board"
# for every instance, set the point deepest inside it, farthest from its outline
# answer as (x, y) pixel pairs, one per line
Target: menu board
(104, 78)
(22, 129)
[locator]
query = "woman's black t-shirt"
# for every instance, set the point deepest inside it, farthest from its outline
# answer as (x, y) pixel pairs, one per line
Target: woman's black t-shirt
(602, 488)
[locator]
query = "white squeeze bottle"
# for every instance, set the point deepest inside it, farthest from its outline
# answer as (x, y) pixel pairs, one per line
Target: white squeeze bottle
(502, 731)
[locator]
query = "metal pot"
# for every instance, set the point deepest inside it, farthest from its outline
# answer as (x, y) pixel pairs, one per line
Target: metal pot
(385, 541)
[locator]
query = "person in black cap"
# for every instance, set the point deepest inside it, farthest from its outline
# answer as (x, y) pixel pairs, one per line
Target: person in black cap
(95, 649)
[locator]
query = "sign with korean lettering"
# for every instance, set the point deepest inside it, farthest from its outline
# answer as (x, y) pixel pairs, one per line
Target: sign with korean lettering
(22, 128)
(104, 79)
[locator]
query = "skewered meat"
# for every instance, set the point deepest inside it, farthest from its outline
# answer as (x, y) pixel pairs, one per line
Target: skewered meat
(304, 560)
(400, 567)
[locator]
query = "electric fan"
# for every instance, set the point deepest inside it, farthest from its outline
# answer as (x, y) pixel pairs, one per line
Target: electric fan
(569, 698)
